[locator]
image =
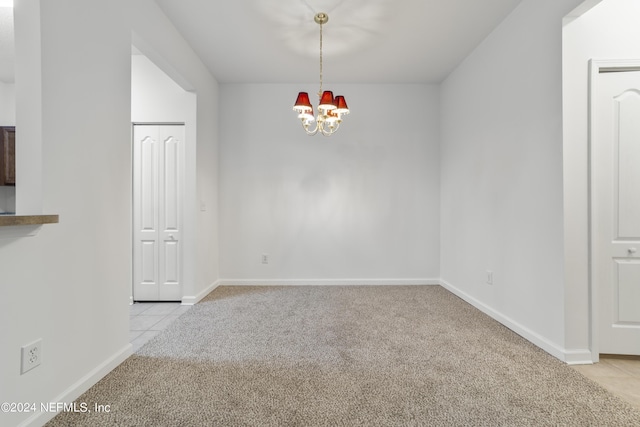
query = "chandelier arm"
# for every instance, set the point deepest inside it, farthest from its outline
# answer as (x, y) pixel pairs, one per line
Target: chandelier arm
(306, 129)
(330, 131)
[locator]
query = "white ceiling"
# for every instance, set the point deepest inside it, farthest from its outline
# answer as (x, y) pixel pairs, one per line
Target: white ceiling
(365, 41)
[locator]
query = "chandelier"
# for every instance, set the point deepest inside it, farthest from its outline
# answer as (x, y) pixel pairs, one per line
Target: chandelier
(330, 109)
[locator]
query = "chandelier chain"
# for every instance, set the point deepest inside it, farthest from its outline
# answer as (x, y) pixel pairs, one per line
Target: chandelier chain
(320, 91)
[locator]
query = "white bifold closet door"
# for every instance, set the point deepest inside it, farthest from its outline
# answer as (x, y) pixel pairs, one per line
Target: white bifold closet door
(157, 211)
(616, 211)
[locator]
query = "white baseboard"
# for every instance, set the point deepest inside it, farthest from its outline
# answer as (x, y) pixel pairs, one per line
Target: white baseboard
(578, 357)
(327, 282)
(82, 385)
(516, 327)
(191, 300)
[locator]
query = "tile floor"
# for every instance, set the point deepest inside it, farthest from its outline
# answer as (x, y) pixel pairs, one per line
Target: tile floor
(618, 374)
(147, 319)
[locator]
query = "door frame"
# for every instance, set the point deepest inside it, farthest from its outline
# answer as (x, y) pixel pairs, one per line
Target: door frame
(133, 201)
(596, 67)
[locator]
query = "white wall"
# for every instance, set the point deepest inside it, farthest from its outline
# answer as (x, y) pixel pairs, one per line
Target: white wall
(70, 285)
(28, 84)
(7, 118)
(501, 162)
(72, 278)
(155, 97)
(608, 31)
(361, 204)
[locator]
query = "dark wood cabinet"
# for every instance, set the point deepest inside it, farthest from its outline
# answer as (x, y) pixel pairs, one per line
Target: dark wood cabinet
(7, 155)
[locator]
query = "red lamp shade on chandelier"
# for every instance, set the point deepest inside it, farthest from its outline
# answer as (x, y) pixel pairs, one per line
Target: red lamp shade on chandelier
(330, 109)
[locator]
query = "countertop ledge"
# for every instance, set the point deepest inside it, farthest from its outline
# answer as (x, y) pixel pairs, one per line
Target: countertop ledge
(8, 220)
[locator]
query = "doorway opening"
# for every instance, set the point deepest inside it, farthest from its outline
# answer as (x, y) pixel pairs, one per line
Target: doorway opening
(163, 114)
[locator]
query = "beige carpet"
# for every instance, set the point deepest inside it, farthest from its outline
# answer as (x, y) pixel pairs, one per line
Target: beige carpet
(344, 356)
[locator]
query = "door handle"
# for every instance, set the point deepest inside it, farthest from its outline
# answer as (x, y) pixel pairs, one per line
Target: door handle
(173, 238)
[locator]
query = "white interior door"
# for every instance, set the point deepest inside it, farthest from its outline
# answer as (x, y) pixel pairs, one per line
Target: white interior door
(157, 213)
(615, 154)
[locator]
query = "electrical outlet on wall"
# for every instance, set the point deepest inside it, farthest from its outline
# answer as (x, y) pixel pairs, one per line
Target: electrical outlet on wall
(489, 277)
(265, 259)
(31, 356)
